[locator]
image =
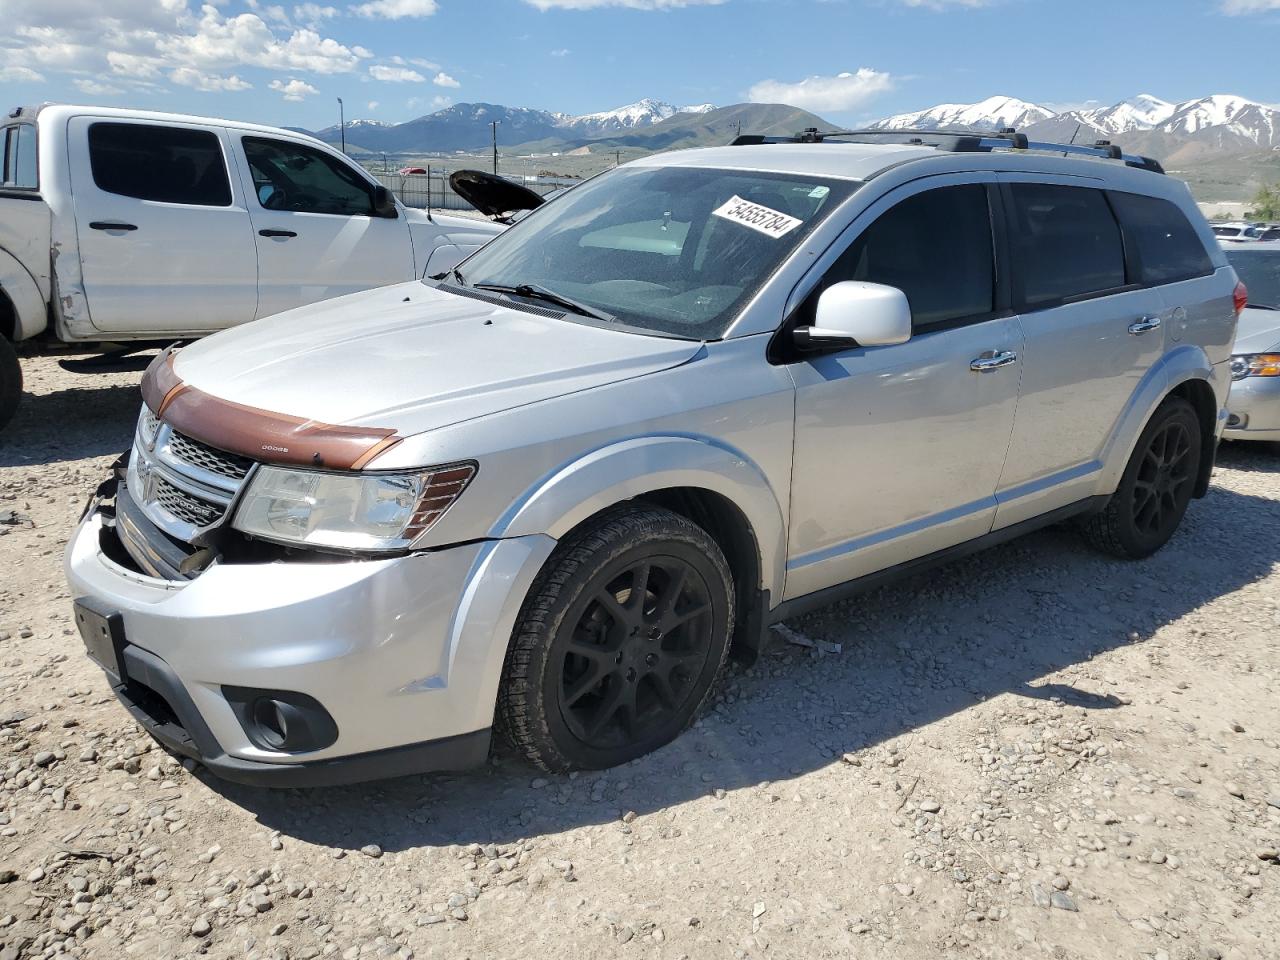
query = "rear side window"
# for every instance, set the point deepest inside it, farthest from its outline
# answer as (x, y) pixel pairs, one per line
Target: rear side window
(1067, 244)
(936, 248)
(165, 164)
(298, 179)
(1167, 247)
(19, 143)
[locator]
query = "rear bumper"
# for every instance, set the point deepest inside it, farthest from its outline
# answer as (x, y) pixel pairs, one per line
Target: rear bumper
(404, 653)
(1253, 409)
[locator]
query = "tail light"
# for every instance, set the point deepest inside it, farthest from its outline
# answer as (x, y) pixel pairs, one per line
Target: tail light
(1240, 297)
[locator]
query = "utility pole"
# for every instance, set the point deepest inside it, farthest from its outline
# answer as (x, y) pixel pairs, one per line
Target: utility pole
(494, 124)
(342, 126)
(384, 161)
(617, 158)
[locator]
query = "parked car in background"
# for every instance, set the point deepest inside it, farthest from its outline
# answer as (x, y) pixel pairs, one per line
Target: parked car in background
(698, 394)
(411, 171)
(1237, 231)
(121, 227)
(1254, 404)
(1270, 233)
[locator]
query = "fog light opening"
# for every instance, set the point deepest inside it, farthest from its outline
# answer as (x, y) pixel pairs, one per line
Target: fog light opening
(282, 721)
(272, 719)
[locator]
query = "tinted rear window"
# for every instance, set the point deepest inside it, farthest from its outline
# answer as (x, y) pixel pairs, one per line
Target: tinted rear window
(1067, 243)
(1168, 248)
(166, 164)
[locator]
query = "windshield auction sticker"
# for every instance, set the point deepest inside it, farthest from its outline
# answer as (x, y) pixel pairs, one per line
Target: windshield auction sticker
(760, 218)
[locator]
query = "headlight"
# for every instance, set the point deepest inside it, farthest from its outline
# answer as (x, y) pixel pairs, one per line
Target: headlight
(1255, 365)
(350, 511)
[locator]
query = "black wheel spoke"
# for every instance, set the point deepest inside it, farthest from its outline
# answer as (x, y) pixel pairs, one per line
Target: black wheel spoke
(630, 664)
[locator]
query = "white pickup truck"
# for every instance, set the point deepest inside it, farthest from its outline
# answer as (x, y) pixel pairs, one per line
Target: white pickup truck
(123, 228)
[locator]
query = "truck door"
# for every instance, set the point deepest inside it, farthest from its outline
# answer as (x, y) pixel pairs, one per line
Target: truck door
(317, 231)
(166, 246)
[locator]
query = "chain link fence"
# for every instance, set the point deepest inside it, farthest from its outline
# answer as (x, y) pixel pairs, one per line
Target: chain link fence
(432, 190)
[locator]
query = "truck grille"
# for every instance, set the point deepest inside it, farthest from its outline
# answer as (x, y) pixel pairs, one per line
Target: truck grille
(183, 485)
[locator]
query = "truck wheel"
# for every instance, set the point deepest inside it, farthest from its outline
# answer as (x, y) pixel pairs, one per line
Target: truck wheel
(1155, 488)
(10, 381)
(619, 641)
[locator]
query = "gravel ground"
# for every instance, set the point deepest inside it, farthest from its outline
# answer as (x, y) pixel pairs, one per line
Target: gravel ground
(1035, 751)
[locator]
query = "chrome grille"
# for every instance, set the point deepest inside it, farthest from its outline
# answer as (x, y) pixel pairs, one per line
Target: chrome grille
(183, 485)
(186, 506)
(198, 454)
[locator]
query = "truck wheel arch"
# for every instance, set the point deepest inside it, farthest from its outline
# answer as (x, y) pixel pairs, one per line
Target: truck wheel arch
(22, 311)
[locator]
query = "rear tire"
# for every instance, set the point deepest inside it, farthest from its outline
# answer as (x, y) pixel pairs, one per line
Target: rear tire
(1156, 486)
(10, 381)
(619, 642)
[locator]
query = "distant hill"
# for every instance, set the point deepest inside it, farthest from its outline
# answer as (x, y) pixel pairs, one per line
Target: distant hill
(648, 124)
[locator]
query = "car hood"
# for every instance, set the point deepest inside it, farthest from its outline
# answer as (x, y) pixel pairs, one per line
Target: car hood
(492, 195)
(1258, 331)
(412, 358)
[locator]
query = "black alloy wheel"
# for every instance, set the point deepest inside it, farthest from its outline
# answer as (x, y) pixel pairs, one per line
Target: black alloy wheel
(619, 642)
(1155, 488)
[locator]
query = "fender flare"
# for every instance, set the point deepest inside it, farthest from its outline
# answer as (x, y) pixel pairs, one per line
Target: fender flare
(30, 315)
(569, 494)
(1183, 363)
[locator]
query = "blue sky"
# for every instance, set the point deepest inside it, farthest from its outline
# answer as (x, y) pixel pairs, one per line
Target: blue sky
(285, 62)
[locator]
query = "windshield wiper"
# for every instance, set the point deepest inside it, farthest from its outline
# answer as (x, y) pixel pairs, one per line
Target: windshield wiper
(533, 291)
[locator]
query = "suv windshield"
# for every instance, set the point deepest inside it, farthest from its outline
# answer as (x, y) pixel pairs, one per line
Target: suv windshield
(1260, 271)
(668, 250)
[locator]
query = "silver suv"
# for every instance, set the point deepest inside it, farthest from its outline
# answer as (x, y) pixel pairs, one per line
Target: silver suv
(550, 491)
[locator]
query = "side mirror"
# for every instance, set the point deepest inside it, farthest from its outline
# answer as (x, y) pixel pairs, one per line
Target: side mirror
(854, 313)
(384, 204)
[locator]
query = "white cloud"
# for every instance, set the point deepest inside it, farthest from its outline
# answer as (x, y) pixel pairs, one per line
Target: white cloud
(946, 4)
(562, 52)
(294, 90)
(442, 79)
(313, 13)
(844, 91)
(373, 105)
(209, 82)
(94, 87)
(387, 74)
(20, 75)
(1237, 8)
(395, 9)
(132, 65)
(246, 40)
(630, 4)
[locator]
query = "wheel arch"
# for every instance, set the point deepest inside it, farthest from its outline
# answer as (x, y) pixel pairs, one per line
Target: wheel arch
(23, 313)
(1185, 372)
(713, 485)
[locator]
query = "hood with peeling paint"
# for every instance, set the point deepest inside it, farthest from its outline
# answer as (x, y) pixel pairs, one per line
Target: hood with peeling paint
(413, 358)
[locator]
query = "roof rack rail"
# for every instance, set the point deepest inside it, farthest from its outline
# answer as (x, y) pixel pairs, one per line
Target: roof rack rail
(960, 141)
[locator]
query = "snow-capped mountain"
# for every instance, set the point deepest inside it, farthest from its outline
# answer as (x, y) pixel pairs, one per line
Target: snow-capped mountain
(642, 113)
(1142, 123)
(993, 113)
(1142, 112)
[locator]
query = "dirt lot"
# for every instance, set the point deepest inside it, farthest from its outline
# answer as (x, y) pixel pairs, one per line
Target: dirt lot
(1035, 752)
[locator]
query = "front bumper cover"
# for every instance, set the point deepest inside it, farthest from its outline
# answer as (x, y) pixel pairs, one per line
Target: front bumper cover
(405, 653)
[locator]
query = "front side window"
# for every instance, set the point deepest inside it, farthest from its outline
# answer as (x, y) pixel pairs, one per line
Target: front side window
(935, 247)
(299, 179)
(1167, 246)
(19, 143)
(670, 250)
(1067, 244)
(164, 164)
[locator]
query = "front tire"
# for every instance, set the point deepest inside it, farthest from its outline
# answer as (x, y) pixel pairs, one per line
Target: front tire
(619, 642)
(10, 381)
(1156, 486)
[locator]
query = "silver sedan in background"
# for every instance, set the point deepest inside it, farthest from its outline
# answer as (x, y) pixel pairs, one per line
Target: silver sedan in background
(1254, 404)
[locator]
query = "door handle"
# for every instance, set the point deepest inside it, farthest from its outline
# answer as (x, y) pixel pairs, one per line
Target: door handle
(108, 225)
(1145, 325)
(276, 233)
(993, 360)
